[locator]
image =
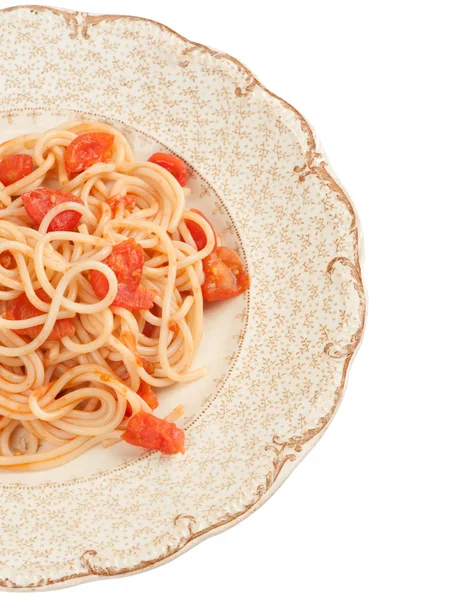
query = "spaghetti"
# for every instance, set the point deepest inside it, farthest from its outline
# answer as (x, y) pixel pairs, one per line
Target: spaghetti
(103, 276)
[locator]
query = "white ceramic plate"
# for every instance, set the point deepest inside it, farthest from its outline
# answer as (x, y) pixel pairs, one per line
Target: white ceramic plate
(277, 357)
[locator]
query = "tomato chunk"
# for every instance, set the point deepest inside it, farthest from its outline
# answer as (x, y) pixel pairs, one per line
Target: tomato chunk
(88, 149)
(148, 330)
(140, 299)
(148, 395)
(126, 261)
(171, 163)
(129, 201)
(14, 167)
(40, 201)
(197, 232)
(150, 432)
(21, 308)
(7, 260)
(225, 275)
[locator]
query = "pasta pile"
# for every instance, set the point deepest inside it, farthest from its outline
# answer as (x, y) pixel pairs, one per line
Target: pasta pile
(76, 366)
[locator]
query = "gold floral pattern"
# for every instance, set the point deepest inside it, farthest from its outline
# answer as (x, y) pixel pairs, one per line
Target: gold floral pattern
(284, 378)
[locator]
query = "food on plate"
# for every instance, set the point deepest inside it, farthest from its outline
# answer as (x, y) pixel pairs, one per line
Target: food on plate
(104, 275)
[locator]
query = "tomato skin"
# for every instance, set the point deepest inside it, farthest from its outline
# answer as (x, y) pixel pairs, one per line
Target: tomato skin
(40, 201)
(21, 308)
(7, 260)
(171, 163)
(197, 232)
(150, 432)
(14, 167)
(88, 149)
(126, 261)
(225, 275)
(129, 201)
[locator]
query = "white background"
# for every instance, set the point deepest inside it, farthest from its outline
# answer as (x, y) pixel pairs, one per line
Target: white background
(368, 513)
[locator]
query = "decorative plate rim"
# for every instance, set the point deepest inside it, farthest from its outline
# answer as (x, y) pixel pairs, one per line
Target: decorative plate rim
(287, 454)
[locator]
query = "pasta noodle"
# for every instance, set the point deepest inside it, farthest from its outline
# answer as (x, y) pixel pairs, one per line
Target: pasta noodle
(64, 395)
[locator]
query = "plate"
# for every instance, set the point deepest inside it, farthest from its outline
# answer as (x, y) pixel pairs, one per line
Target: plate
(277, 358)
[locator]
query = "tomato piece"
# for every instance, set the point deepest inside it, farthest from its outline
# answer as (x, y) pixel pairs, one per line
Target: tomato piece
(140, 299)
(88, 149)
(150, 432)
(126, 261)
(14, 167)
(129, 201)
(197, 231)
(225, 275)
(40, 201)
(147, 393)
(218, 279)
(148, 330)
(21, 308)
(233, 261)
(7, 260)
(171, 163)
